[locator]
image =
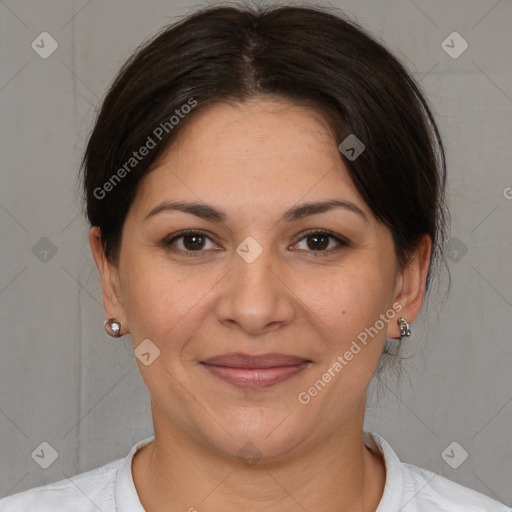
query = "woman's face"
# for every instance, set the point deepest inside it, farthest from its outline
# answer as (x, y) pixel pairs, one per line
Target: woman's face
(255, 283)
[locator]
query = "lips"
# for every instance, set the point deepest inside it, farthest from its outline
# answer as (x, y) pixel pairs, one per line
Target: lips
(253, 372)
(240, 360)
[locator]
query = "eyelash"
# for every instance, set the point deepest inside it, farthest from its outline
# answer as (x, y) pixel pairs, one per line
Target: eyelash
(317, 254)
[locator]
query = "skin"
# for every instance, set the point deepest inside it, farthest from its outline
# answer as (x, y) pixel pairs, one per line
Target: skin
(254, 161)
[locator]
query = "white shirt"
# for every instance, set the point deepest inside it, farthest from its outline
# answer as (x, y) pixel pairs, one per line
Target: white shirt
(110, 488)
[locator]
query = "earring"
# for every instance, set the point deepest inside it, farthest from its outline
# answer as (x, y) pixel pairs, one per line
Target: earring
(113, 328)
(404, 327)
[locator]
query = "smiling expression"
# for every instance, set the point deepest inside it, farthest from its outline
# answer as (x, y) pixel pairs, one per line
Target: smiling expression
(282, 256)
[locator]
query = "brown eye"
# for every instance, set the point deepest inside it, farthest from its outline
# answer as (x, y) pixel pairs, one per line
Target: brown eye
(191, 241)
(318, 241)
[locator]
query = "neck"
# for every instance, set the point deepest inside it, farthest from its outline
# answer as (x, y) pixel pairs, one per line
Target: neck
(176, 473)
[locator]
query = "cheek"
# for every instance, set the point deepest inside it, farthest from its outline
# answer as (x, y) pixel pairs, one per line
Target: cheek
(149, 295)
(163, 299)
(350, 299)
(354, 334)
(355, 338)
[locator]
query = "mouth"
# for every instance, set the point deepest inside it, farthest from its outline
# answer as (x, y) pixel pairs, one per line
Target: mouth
(254, 372)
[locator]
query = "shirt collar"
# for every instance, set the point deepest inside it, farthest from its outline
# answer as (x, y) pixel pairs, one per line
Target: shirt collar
(127, 499)
(394, 487)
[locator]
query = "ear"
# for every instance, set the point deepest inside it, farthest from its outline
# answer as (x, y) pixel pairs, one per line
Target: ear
(410, 287)
(109, 273)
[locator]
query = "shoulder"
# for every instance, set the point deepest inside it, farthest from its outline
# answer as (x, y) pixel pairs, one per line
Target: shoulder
(86, 492)
(410, 488)
(425, 491)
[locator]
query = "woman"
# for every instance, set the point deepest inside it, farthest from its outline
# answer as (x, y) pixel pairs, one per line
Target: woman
(265, 189)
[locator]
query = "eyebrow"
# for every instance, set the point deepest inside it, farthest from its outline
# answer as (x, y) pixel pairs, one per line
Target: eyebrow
(207, 212)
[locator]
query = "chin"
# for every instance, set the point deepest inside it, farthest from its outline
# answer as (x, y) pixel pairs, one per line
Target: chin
(258, 435)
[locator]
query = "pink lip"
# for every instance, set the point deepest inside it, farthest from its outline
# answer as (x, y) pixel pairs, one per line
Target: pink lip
(241, 360)
(254, 372)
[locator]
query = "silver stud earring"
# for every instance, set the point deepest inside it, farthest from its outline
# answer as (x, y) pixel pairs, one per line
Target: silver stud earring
(405, 328)
(113, 328)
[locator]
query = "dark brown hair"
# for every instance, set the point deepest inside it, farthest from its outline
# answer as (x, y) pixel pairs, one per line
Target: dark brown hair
(302, 53)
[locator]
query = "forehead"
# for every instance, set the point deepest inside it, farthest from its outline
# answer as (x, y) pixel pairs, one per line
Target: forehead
(265, 153)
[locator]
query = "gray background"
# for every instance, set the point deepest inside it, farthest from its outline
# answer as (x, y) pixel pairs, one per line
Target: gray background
(64, 382)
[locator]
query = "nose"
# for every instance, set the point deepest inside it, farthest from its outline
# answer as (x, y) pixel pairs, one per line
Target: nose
(256, 296)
